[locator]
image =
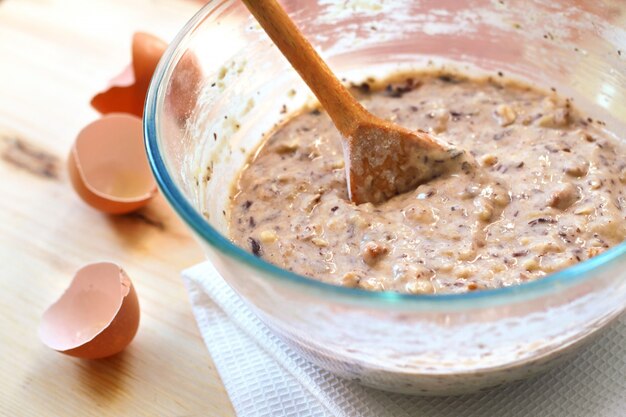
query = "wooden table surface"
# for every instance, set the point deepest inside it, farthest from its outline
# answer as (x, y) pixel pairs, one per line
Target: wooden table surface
(54, 55)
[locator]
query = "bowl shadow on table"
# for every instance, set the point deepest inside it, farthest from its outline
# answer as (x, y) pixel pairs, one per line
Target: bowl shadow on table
(157, 219)
(133, 228)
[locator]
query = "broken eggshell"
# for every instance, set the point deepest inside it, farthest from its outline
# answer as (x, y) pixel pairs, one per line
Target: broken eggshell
(127, 91)
(108, 165)
(96, 317)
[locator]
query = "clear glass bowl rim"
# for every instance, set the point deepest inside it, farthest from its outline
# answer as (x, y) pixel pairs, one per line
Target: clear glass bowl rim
(154, 103)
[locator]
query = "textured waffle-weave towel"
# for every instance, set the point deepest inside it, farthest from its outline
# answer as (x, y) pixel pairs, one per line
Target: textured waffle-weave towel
(264, 377)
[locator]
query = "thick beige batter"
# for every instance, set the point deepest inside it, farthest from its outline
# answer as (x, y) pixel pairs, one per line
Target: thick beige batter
(549, 192)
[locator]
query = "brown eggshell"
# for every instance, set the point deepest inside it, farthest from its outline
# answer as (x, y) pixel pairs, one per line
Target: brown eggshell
(108, 165)
(128, 97)
(96, 317)
(121, 96)
(147, 51)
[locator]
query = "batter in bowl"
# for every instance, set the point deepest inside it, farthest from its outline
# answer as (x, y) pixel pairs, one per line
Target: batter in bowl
(548, 192)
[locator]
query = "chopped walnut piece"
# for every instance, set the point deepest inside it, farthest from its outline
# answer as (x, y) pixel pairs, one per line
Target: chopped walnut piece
(560, 118)
(504, 115)
(371, 284)
(564, 196)
(268, 236)
(591, 252)
(500, 197)
(420, 286)
(530, 264)
(464, 272)
(351, 279)
(577, 167)
(287, 147)
(357, 220)
(484, 209)
(338, 164)
(489, 160)
(543, 248)
(373, 252)
(467, 253)
(319, 242)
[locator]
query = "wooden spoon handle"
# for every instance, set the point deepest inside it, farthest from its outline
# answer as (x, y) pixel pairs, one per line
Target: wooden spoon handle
(342, 107)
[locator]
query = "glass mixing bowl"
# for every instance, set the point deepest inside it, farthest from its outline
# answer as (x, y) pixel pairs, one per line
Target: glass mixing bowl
(222, 85)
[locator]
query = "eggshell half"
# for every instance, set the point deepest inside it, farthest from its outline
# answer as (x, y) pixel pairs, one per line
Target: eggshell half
(108, 165)
(96, 317)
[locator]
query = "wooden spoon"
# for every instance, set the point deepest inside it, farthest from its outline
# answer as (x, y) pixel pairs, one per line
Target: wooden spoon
(381, 159)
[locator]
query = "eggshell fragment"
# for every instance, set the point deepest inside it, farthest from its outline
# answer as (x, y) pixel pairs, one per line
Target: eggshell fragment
(96, 317)
(127, 91)
(121, 96)
(108, 166)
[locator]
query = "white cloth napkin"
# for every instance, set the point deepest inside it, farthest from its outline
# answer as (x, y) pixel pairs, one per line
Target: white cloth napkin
(264, 377)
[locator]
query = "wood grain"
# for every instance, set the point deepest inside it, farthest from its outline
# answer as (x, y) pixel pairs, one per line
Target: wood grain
(54, 55)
